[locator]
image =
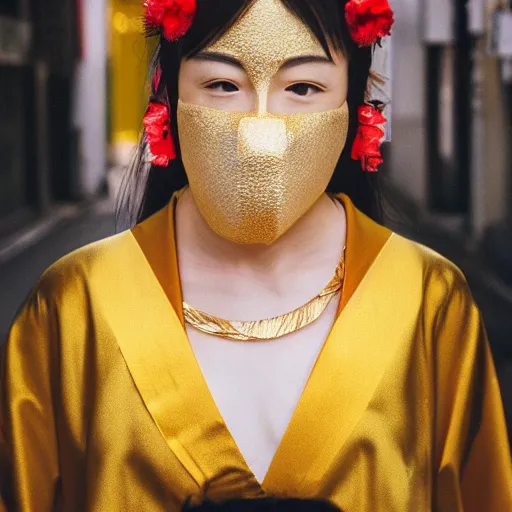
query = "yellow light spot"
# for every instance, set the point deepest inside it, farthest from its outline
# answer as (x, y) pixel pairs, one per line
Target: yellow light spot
(121, 23)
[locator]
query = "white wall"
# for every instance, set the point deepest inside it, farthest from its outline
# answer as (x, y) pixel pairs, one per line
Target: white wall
(407, 167)
(408, 60)
(91, 98)
(491, 190)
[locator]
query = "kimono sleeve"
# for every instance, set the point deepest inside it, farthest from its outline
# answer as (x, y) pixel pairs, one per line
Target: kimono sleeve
(29, 471)
(474, 466)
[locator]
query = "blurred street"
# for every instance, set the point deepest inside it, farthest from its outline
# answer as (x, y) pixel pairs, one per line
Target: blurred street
(20, 274)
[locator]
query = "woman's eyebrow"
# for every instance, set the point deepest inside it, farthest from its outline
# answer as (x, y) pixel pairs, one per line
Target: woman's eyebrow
(290, 63)
(218, 57)
(306, 59)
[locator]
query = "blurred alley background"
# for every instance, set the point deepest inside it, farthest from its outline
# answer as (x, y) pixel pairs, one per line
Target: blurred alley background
(72, 97)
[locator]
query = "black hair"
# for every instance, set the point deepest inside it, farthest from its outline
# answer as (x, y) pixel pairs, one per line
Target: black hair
(256, 505)
(147, 189)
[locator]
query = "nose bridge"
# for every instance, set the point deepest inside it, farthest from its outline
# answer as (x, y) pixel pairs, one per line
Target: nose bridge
(262, 106)
(262, 86)
(261, 74)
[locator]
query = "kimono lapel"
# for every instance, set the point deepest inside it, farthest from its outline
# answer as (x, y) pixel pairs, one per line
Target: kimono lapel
(375, 323)
(365, 240)
(161, 254)
(149, 330)
(363, 340)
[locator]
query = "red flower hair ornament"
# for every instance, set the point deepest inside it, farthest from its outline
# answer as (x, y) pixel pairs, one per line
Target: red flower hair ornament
(158, 134)
(368, 20)
(172, 18)
(369, 138)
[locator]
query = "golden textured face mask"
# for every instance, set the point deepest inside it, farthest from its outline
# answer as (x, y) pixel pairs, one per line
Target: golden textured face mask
(253, 175)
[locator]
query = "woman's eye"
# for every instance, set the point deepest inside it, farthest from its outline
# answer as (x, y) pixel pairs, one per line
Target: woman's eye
(304, 89)
(223, 87)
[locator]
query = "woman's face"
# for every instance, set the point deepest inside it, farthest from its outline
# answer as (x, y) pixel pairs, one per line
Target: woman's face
(254, 67)
(262, 122)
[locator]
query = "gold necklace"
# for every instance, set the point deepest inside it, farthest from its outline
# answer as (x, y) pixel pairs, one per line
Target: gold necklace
(271, 328)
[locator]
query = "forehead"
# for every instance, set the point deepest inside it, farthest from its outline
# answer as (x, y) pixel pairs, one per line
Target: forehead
(267, 35)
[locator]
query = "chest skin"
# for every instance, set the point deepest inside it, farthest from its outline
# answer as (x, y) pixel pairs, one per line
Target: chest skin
(257, 385)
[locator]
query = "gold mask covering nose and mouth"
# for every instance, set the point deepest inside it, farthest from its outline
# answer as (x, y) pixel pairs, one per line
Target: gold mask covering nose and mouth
(254, 175)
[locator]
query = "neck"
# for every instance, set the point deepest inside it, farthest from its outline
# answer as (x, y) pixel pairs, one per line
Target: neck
(315, 241)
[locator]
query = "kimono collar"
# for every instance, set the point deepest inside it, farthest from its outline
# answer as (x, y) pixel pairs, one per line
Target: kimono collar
(156, 237)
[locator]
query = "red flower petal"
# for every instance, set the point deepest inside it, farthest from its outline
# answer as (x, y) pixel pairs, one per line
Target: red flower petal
(176, 25)
(368, 20)
(158, 135)
(369, 138)
(172, 17)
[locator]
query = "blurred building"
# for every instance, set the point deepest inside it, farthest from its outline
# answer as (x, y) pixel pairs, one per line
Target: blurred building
(129, 56)
(14, 55)
(129, 59)
(451, 149)
(52, 105)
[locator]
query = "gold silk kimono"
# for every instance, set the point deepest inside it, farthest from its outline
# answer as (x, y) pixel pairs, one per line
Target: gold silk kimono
(104, 406)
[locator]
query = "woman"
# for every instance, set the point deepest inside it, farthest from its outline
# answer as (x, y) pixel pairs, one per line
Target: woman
(185, 358)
